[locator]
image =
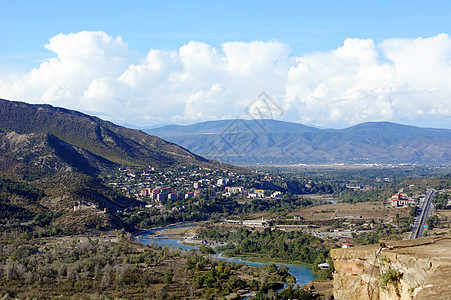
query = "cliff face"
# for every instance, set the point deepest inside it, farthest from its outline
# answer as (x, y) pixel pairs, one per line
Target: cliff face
(411, 269)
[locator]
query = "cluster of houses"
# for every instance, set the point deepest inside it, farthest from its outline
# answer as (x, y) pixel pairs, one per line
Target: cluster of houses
(159, 194)
(164, 194)
(160, 186)
(401, 200)
(251, 194)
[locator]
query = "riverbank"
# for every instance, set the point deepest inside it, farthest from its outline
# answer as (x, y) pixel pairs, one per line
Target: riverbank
(185, 234)
(269, 260)
(256, 258)
(174, 237)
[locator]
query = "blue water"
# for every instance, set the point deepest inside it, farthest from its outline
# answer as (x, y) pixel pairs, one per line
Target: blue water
(303, 274)
(164, 241)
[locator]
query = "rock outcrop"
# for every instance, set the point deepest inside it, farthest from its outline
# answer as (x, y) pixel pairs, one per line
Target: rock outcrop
(410, 269)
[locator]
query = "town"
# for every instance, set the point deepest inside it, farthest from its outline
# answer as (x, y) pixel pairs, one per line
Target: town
(157, 187)
(259, 200)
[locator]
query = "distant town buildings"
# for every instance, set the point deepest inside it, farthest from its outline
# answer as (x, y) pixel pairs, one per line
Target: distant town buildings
(260, 193)
(353, 187)
(162, 197)
(401, 200)
(235, 189)
(156, 187)
(250, 223)
(341, 215)
(276, 194)
(159, 194)
(222, 181)
(145, 192)
(173, 196)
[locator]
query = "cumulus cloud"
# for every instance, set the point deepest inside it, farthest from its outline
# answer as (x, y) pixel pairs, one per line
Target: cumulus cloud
(407, 83)
(400, 80)
(81, 58)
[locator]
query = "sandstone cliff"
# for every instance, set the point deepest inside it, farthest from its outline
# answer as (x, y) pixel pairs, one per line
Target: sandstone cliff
(410, 269)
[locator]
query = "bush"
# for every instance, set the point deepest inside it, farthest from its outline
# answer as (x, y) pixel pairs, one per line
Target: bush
(324, 274)
(390, 277)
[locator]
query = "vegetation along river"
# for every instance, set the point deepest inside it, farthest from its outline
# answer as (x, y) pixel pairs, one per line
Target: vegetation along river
(303, 274)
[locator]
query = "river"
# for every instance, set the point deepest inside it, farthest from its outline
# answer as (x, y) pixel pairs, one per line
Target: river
(303, 274)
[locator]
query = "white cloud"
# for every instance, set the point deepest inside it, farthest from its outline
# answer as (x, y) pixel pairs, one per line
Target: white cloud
(80, 59)
(354, 83)
(400, 80)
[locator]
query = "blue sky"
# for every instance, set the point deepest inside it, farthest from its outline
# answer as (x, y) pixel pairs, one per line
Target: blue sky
(306, 25)
(289, 31)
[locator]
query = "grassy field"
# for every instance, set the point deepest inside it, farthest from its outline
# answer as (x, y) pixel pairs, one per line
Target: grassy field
(444, 222)
(368, 210)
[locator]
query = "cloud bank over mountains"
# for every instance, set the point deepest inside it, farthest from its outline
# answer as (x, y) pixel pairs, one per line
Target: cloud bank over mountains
(402, 80)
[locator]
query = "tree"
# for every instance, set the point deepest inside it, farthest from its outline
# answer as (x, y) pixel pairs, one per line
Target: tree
(168, 205)
(168, 276)
(324, 274)
(432, 222)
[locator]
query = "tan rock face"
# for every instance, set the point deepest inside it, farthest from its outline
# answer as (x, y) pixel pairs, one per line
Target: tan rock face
(352, 268)
(356, 288)
(422, 268)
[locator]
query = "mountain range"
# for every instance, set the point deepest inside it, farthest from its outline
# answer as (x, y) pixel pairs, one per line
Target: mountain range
(272, 141)
(51, 157)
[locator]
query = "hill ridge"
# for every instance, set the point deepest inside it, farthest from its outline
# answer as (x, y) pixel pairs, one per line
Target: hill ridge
(104, 139)
(287, 142)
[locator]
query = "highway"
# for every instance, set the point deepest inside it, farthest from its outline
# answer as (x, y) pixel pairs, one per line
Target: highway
(423, 214)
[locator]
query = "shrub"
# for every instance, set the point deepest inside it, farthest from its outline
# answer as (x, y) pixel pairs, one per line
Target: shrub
(390, 277)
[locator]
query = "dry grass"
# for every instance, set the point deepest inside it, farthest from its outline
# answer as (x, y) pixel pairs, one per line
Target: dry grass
(444, 216)
(178, 232)
(368, 210)
(442, 213)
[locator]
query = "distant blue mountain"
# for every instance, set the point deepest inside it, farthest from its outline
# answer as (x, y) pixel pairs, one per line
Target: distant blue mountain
(272, 141)
(218, 127)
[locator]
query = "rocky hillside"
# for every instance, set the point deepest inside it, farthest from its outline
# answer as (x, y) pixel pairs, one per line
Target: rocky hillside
(49, 162)
(45, 152)
(84, 133)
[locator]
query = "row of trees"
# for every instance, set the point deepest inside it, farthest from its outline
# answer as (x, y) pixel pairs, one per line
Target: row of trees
(441, 200)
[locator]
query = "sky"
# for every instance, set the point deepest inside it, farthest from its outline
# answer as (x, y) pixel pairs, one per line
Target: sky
(329, 64)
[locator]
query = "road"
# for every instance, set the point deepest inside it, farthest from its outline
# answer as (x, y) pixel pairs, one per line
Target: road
(423, 214)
